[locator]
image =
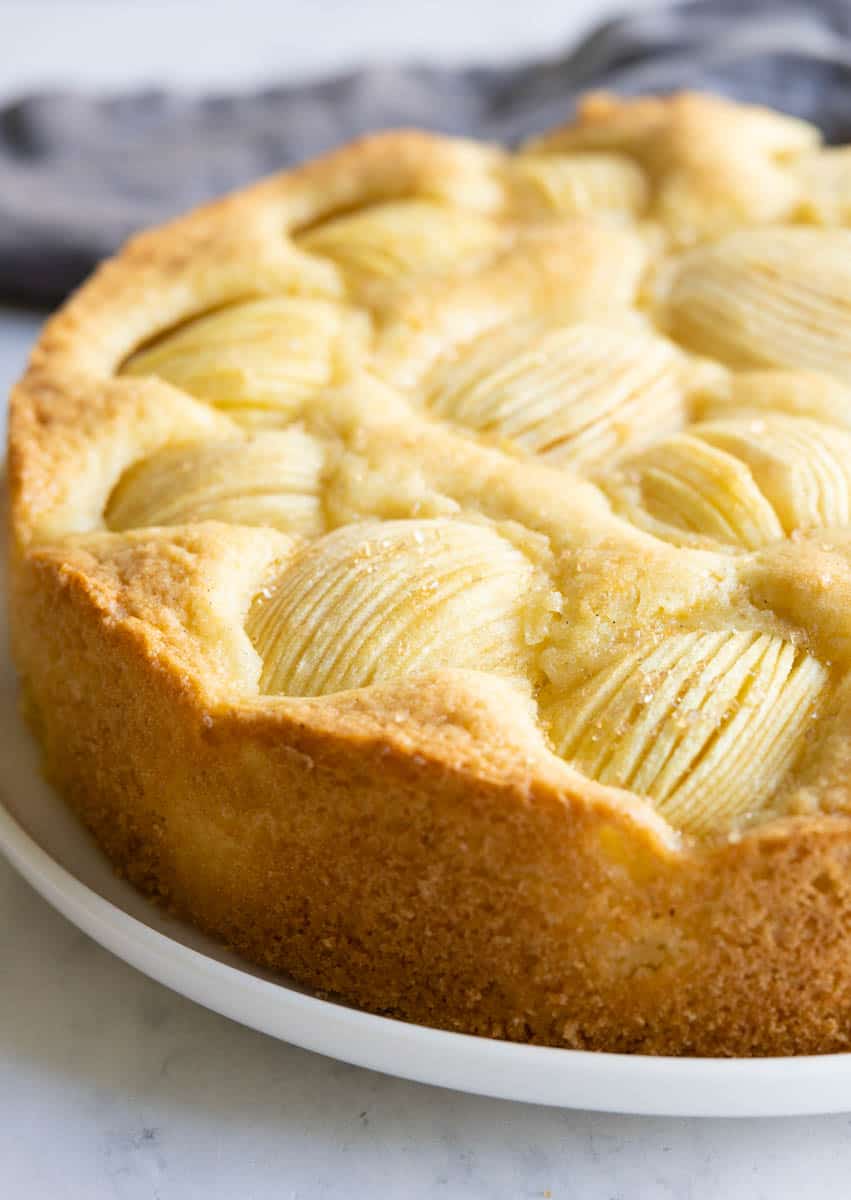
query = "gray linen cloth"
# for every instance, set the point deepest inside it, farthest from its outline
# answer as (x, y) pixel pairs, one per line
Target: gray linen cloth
(79, 173)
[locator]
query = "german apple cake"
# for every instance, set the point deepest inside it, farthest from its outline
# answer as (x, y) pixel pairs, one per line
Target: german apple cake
(431, 575)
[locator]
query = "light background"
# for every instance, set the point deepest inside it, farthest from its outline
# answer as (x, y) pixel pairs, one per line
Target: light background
(235, 43)
(113, 1088)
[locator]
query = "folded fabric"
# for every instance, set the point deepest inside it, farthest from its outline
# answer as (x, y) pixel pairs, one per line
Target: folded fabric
(78, 174)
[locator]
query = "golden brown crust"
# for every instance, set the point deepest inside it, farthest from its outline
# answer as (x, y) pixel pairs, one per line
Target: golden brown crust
(416, 846)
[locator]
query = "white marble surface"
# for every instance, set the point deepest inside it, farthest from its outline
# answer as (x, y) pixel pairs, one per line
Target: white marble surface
(113, 1088)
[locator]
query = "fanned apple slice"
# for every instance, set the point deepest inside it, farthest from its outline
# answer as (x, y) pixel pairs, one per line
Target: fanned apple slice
(401, 240)
(382, 600)
(705, 724)
(743, 482)
(259, 360)
(271, 479)
(771, 298)
(575, 395)
(578, 185)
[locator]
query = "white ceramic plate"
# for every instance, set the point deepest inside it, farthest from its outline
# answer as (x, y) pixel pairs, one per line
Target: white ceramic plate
(51, 850)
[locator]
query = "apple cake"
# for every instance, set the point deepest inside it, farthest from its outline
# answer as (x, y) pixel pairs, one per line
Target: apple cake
(431, 575)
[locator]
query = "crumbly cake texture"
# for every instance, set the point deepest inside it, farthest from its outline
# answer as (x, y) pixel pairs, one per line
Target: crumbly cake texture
(431, 574)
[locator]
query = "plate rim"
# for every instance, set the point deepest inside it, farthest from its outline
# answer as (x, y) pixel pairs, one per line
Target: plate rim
(598, 1081)
(647, 1085)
